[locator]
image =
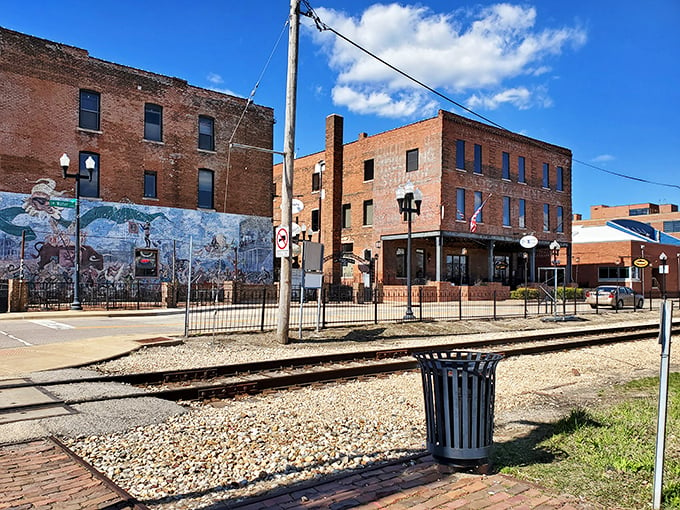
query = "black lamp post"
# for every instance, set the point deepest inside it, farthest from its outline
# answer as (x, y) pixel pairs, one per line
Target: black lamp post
(64, 161)
(663, 269)
(409, 199)
(555, 249)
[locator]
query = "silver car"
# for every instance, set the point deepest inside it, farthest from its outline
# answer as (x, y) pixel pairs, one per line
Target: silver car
(614, 296)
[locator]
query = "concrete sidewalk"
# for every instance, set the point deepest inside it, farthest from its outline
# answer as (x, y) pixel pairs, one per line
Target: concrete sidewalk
(20, 361)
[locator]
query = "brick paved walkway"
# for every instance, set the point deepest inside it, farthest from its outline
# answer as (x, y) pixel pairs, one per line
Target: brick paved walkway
(43, 475)
(421, 484)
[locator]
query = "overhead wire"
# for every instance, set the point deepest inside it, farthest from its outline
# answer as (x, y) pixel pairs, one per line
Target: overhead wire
(321, 26)
(249, 101)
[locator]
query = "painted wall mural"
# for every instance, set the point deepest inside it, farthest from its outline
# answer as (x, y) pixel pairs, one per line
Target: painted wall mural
(116, 236)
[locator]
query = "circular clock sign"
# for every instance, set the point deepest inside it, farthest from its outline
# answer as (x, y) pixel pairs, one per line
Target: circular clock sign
(528, 242)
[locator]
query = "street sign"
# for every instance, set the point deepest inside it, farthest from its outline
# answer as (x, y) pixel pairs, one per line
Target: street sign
(641, 262)
(63, 202)
(282, 240)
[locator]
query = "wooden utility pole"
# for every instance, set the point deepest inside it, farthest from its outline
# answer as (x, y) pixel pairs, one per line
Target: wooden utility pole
(283, 321)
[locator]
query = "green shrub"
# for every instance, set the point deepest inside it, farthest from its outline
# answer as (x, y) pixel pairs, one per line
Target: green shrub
(520, 292)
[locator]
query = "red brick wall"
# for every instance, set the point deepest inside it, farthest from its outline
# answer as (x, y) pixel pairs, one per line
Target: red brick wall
(39, 96)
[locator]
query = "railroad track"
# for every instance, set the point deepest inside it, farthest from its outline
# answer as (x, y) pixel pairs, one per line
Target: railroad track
(229, 381)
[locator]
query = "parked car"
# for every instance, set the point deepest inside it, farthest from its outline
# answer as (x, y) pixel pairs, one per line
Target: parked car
(614, 296)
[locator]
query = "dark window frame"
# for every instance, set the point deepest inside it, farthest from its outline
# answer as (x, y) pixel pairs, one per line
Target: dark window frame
(478, 159)
(369, 169)
(507, 217)
(521, 169)
(460, 154)
(460, 204)
(202, 192)
(346, 215)
(412, 162)
(151, 110)
(368, 211)
(150, 188)
(506, 166)
(206, 141)
(89, 118)
(546, 175)
(316, 181)
(89, 187)
(522, 213)
(546, 217)
(559, 181)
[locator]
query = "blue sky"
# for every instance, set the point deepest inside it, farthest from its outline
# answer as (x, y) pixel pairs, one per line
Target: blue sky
(599, 77)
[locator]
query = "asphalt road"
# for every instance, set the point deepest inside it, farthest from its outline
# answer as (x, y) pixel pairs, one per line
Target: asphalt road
(45, 329)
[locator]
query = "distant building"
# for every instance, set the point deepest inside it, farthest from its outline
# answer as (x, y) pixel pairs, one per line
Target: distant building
(607, 246)
(164, 170)
(348, 194)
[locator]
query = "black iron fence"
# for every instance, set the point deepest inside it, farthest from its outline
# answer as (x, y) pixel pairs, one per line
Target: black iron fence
(134, 295)
(257, 310)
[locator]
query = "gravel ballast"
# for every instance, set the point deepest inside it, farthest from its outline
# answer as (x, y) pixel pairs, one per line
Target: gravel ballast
(189, 457)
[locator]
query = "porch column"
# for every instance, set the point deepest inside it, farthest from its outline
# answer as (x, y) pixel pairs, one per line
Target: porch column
(438, 257)
(490, 260)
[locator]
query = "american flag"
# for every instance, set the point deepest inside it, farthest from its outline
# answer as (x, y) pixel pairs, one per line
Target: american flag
(473, 219)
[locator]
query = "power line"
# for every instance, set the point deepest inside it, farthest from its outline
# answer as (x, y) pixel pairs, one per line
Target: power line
(321, 26)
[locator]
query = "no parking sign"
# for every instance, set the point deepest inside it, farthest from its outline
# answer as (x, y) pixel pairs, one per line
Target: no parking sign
(282, 241)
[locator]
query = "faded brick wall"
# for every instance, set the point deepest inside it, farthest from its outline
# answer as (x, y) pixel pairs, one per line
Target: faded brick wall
(39, 100)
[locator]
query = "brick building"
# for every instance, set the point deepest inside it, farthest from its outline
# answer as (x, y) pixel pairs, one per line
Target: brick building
(348, 193)
(164, 167)
(606, 246)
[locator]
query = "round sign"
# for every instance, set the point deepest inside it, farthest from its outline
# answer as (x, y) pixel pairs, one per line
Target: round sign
(282, 238)
(528, 241)
(641, 262)
(297, 206)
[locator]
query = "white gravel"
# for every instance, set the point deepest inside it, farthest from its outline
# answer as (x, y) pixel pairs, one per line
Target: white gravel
(236, 448)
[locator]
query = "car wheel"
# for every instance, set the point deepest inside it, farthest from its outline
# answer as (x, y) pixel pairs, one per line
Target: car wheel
(619, 304)
(593, 306)
(640, 304)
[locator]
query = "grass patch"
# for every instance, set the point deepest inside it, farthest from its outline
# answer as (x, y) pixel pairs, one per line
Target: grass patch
(605, 455)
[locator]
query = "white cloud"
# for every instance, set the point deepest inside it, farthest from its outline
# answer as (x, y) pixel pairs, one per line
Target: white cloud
(603, 158)
(214, 78)
(461, 52)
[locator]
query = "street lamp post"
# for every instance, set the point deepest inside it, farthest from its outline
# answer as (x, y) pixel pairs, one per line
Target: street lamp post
(409, 199)
(64, 161)
(555, 249)
(663, 269)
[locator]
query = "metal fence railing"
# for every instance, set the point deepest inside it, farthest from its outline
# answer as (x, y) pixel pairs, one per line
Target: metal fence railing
(135, 295)
(257, 310)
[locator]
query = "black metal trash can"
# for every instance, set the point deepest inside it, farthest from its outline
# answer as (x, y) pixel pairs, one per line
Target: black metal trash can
(459, 391)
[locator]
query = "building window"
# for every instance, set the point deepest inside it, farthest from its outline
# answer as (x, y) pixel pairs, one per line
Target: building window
(150, 185)
(420, 263)
(506, 166)
(153, 122)
(412, 160)
(346, 215)
(316, 220)
(347, 262)
(316, 181)
(613, 273)
(460, 154)
(560, 220)
(641, 211)
(400, 262)
(522, 213)
(521, 175)
(671, 226)
(559, 184)
(460, 204)
(369, 167)
(506, 211)
(89, 187)
(89, 110)
(478, 203)
(478, 159)
(206, 180)
(206, 133)
(546, 218)
(546, 175)
(368, 212)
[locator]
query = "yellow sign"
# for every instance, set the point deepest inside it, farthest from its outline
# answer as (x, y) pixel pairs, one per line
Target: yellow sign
(641, 262)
